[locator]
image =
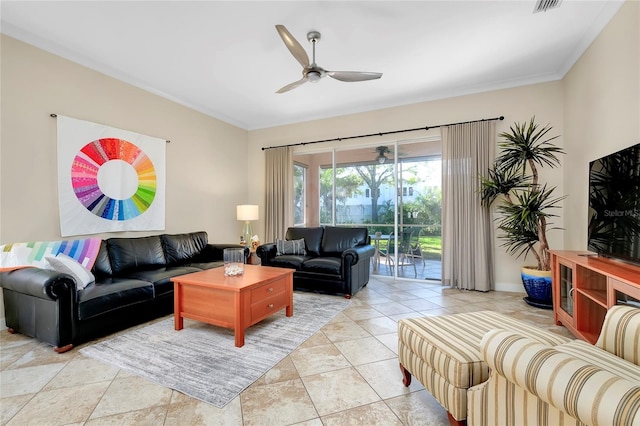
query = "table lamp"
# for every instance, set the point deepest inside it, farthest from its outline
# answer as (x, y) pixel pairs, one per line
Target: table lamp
(247, 212)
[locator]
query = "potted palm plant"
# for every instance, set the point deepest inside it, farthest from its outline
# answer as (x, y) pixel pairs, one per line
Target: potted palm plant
(523, 203)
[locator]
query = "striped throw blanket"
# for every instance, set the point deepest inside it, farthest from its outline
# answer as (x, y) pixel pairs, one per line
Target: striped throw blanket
(20, 255)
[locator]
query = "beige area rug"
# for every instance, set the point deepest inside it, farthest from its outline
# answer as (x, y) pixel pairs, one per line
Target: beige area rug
(202, 361)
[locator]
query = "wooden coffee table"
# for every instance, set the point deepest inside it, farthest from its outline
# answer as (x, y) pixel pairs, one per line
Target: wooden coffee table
(233, 302)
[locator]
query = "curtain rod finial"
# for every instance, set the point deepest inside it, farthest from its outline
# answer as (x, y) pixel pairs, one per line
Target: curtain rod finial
(501, 117)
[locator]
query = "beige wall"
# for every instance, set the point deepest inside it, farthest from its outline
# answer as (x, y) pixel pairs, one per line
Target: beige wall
(602, 110)
(205, 161)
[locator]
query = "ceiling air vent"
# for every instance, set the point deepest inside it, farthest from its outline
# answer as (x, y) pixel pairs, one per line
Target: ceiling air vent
(544, 5)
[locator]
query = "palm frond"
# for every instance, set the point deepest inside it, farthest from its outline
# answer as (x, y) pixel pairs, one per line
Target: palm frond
(500, 182)
(527, 144)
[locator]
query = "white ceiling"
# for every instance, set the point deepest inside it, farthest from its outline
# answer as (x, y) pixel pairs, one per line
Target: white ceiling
(226, 59)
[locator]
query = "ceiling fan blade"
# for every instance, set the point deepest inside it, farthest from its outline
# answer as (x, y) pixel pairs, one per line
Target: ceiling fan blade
(294, 47)
(350, 76)
(292, 86)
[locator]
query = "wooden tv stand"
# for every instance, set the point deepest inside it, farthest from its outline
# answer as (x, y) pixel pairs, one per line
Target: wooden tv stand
(585, 286)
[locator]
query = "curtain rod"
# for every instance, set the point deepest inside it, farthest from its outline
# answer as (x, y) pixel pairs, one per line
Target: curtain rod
(384, 133)
(54, 115)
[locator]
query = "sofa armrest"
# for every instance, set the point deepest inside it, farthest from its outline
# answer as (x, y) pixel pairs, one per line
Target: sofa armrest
(620, 333)
(355, 254)
(212, 252)
(41, 283)
(582, 390)
(266, 252)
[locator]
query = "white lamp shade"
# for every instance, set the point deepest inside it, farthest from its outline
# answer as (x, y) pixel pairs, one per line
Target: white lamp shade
(247, 212)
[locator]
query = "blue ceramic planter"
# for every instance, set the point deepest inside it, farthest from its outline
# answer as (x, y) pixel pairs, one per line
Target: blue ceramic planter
(537, 284)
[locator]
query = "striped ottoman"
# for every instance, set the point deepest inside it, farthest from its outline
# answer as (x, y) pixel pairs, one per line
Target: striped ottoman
(443, 353)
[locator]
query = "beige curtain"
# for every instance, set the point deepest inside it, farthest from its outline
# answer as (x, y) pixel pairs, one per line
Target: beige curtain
(278, 190)
(467, 254)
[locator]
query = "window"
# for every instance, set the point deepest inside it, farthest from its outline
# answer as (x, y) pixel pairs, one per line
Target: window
(367, 193)
(299, 194)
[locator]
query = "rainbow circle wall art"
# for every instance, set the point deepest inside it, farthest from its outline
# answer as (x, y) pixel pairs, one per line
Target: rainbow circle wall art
(85, 172)
(109, 179)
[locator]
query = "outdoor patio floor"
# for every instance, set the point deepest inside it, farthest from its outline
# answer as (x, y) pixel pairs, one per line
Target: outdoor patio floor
(429, 270)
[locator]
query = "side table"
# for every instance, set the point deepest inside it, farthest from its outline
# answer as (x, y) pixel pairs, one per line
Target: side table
(253, 258)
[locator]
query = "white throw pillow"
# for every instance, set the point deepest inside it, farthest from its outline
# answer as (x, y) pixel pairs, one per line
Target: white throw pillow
(68, 265)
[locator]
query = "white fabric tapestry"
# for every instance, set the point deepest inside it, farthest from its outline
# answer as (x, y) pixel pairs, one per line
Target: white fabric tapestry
(109, 179)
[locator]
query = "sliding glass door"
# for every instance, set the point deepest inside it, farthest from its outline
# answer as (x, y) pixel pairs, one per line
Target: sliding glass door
(392, 189)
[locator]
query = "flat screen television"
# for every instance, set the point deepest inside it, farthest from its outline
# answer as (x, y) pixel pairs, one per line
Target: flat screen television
(614, 205)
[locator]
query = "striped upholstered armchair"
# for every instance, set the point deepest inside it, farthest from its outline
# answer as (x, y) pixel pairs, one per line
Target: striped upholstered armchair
(573, 383)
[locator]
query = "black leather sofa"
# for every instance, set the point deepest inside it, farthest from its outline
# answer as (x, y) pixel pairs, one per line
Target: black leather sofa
(133, 285)
(336, 261)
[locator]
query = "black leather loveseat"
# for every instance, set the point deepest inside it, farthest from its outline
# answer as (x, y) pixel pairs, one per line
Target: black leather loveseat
(132, 285)
(335, 260)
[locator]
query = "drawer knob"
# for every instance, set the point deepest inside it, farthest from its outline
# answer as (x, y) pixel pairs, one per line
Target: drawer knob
(270, 306)
(270, 289)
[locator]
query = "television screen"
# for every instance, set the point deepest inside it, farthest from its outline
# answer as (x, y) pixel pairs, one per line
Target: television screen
(614, 205)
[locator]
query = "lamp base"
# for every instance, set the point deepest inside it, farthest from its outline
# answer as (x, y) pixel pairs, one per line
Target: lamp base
(247, 233)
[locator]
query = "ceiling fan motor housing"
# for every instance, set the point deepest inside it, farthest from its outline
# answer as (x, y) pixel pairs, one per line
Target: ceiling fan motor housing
(314, 75)
(313, 36)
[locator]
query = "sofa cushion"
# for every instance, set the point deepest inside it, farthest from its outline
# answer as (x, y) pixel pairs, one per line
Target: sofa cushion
(323, 265)
(129, 254)
(161, 278)
(290, 247)
(112, 294)
(102, 265)
(312, 238)
(288, 261)
(336, 239)
(205, 265)
(183, 248)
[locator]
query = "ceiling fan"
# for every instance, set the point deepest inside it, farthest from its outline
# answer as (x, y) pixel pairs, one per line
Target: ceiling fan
(312, 72)
(382, 150)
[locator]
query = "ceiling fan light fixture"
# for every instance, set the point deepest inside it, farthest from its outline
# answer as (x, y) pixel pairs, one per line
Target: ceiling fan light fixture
(314, 76)
(381, 158)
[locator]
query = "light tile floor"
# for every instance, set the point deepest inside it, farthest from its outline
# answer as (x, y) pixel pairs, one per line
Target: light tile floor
(346, 374)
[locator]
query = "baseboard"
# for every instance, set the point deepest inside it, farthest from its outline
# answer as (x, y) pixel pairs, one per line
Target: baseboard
(511, 287)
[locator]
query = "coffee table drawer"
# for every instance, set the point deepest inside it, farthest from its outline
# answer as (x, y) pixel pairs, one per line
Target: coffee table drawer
(265, 307)
(268, 290)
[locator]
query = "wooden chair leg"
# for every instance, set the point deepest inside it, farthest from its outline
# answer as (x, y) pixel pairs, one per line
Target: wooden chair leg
(454, 422)
(406, 376)
(63, 349)
(406, 380)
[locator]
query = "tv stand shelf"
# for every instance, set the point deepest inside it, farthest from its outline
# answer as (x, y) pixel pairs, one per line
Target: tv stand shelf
(585, 286)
